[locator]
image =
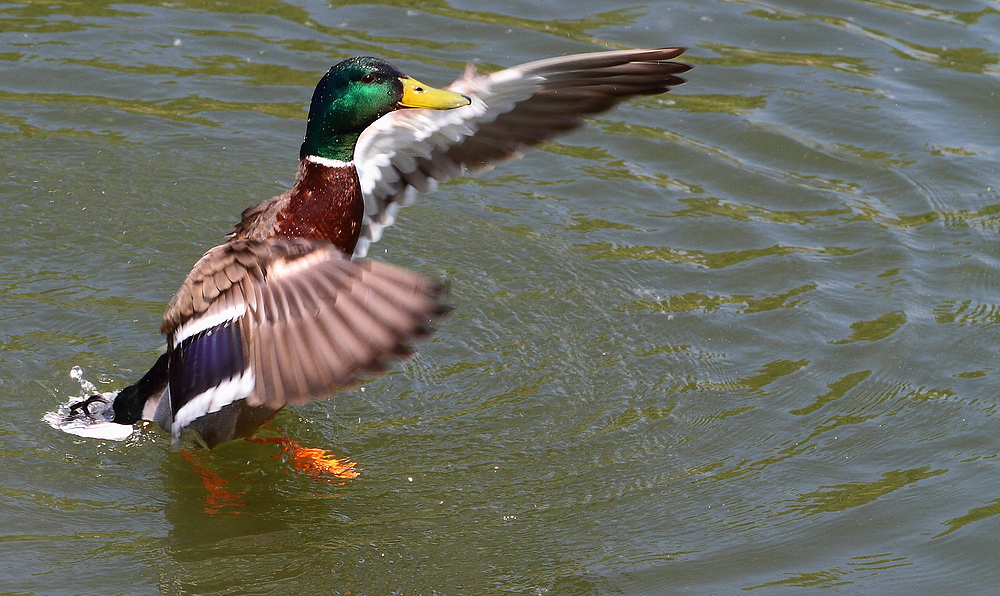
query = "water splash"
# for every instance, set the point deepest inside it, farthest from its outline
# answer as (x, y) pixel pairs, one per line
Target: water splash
(77, 373)
(96, 420)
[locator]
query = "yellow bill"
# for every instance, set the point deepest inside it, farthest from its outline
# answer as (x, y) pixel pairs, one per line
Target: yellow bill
(418, 95)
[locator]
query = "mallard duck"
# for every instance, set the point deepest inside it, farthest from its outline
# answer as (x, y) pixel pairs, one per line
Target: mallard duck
(287, 310)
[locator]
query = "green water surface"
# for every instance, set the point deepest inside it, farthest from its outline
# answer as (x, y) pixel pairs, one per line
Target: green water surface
(740, 337)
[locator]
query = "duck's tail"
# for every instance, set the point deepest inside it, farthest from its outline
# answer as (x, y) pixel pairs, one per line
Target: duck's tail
(111, 415)
(143, 395)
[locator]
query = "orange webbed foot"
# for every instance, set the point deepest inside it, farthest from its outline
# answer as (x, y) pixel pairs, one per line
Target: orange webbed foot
(317, 463)
(218, 498)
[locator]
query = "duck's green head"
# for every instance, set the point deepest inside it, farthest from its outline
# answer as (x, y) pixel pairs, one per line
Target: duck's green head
(357, 92)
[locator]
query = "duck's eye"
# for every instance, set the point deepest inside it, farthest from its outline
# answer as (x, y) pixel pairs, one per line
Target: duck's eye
(368, 78)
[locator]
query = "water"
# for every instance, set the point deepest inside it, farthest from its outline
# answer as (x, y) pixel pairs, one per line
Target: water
(741, 337)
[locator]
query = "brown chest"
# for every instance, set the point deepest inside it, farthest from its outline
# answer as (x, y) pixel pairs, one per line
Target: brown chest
(326, 203)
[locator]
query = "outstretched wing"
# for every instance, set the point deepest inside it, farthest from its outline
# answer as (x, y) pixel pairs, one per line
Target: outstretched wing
(511, 110)
(281, 321)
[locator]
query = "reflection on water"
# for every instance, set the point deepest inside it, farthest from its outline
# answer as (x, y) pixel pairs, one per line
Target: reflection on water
(737, 337)
(226, 492)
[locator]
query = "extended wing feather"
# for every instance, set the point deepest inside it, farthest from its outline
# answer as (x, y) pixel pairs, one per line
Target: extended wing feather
(288, 320)
(511, 110)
